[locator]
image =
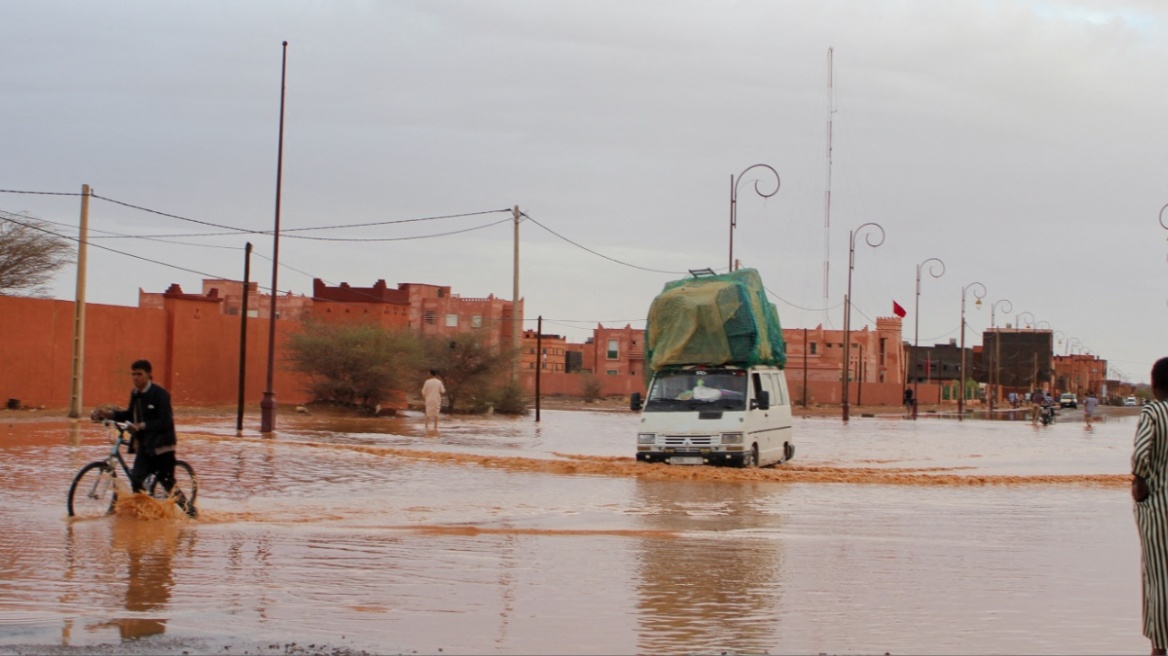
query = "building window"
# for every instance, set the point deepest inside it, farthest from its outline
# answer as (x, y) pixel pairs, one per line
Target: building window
(612, 372)
(452, 321)
(429, 318)
(814, 348)
(613, 349)
(476, 321)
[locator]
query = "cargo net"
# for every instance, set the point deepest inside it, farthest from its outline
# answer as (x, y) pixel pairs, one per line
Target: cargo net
(714, 320)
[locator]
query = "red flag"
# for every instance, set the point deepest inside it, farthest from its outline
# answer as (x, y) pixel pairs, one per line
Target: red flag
(897, 310)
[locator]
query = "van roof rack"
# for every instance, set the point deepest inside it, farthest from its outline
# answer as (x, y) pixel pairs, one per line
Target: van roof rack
(698, 273)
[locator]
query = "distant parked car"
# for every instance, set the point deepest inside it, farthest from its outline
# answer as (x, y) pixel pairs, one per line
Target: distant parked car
(1131, 401)
(1068, 400)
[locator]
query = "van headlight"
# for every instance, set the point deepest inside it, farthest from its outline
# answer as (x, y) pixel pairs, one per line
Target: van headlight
(646, 438)
(731, 438)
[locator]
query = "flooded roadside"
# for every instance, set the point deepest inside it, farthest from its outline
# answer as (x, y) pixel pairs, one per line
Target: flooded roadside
(502, 536)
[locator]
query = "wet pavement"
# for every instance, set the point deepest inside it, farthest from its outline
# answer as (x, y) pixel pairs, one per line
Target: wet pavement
(500, 535)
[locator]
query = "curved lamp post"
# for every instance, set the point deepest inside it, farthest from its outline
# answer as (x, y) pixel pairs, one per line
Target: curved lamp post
(994, 384)
(936, 269)
(268, 403)
(847, 364)
(1162, 224)
(977, 295)
(1018, 319)
(734, 199)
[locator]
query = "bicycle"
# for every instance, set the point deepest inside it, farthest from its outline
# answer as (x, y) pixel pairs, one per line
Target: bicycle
(94, 490)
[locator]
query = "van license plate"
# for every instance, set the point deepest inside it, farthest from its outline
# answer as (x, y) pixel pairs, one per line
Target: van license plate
(685, 460)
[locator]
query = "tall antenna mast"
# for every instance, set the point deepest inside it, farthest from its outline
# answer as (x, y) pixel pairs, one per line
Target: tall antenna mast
(827, 192)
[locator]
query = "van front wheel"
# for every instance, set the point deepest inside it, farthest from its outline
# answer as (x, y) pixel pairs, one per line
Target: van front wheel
(788, 451)
(750, 458)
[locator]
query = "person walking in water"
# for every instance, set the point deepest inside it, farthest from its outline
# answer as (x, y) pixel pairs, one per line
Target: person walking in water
(1150, 492)
(432, 391)
(1089, 408)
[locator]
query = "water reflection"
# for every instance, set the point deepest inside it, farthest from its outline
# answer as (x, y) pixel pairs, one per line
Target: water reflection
(716, 587)
(149, 548)
(118, 561)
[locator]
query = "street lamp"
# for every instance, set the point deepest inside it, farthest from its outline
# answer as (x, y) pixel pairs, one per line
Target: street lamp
(1038, 324)
(734, 200)
(268, 403)
(1018, 319)
(934, 265)
(848, 302)
(1009, 307)
(977, 295)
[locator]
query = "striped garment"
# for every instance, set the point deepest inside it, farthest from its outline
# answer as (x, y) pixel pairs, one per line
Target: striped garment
(1150, 460)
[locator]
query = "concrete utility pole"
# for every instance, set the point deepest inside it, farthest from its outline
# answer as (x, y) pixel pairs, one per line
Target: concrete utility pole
(79, 309)
(516, 326)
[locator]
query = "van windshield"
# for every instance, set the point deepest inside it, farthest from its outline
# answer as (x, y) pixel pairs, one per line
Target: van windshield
(683, 391)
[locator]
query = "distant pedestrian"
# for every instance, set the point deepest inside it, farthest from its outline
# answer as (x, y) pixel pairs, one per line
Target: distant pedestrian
(432, 391)
(1013, 396)
(908, 399)
(1150, 492)
(1089, 408)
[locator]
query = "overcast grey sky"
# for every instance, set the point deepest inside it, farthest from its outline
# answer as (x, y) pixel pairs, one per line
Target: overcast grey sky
(1022, 143)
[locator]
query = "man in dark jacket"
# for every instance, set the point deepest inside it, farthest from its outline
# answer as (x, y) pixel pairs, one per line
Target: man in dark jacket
(152, 425)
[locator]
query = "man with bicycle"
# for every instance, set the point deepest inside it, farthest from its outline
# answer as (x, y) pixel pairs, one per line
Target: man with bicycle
(152, 426)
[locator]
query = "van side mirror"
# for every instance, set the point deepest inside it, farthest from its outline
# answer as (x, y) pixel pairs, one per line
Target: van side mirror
(635, 401)
(763, 402)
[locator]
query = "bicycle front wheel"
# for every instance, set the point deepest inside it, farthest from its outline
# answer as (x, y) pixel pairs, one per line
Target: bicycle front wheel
(186, 487)
(93, 493)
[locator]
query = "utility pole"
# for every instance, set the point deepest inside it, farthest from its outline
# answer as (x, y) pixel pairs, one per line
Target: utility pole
(515, 323)
(539, 360)
(79, 309)
(243, 336)
(805, 355)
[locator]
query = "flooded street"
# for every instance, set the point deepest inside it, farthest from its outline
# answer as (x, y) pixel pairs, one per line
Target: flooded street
(504, 536)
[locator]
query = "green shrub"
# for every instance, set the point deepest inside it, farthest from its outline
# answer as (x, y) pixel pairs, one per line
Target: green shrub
(509, 399)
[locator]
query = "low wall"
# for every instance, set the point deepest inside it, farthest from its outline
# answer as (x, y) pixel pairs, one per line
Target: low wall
(831, 393)
(194, 351)
(818, 392)
(572, 385)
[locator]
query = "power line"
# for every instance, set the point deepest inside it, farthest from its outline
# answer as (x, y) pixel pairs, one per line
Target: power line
(234, 230)
(600, 255)
(40, 193)
(799, 307)
(8, 217)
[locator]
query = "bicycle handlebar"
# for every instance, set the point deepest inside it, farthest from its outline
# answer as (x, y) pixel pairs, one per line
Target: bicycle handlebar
(122, 426)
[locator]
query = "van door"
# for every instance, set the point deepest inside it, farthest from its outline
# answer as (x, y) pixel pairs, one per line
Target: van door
(758, 420)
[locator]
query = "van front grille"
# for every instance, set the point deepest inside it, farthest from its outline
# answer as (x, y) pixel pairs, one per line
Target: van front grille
(683, 442)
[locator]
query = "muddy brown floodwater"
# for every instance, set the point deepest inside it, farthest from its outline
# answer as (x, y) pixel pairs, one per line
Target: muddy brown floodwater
(505, 536)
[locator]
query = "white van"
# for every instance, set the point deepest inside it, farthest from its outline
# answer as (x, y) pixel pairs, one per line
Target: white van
(716, 415)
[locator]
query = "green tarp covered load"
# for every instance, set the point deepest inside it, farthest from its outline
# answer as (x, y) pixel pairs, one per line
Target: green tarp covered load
(714, 320)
